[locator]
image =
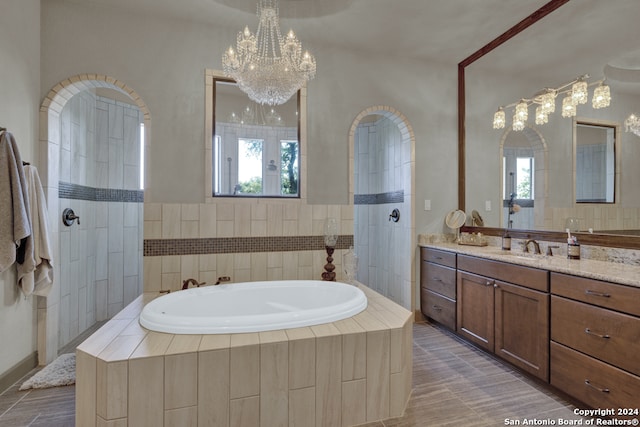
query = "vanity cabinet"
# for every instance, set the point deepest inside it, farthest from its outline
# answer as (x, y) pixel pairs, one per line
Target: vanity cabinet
(595, 341)
(438, 286)
(504, 308)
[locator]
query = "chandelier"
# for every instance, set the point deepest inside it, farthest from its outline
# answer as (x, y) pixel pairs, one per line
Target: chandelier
(632, 124)
(576, 93)
(257, 115)
(268, 67)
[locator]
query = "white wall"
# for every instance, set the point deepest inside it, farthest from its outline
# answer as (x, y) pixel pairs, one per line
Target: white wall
(149, 54)
(19, 95)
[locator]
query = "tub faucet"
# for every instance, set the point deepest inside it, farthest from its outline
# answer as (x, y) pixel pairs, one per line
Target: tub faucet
(536, 246)
(185, 283)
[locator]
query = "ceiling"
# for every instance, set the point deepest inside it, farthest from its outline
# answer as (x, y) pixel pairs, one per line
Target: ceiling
(436, 30)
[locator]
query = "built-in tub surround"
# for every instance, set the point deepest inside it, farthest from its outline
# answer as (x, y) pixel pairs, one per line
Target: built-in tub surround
(343, 373)
(252, 307)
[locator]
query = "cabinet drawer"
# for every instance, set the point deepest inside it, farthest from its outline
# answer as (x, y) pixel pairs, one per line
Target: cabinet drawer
(439, 308)
(529, 277)
(439, 257)
(609, 295)
(607, 335)
(439, 279)
(591, 381)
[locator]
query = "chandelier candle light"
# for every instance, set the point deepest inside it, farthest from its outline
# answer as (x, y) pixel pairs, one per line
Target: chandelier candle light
(268, 67)
(576, 93)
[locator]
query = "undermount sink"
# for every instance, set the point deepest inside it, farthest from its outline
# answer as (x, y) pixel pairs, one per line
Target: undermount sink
(519, 254)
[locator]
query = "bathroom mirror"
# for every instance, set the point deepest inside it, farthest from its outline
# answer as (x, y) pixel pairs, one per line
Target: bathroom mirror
(255, 148)
(595, 161)
(574, 38)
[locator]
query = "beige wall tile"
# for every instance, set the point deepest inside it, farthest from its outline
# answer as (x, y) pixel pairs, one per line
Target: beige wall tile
(213, 388)
(111, 389)
(146, 396)
(354, 404)
(274, 381)
(86, 373)
(180, 380)
(152, 273)
(208, 219)
(328, 380)
(302, 361)
(183, 417)
(378, 375)
(242, 221)
(244, 366)
(101, 422)
(244, 412)
(190, 212)
(171, 221)
(302, 407)
(354, 356)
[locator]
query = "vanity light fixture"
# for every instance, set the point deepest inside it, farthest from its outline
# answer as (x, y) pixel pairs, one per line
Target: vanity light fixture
(575, 91)
(268, 67)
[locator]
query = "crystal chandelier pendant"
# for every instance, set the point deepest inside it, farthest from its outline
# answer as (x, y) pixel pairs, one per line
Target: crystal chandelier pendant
(568, 107)
(632, 124)
(541, 116)
(579, 92)
(518, 123)
(499, 119)
(269, 68)
(548, 101)
(522, 111)
(601, 96)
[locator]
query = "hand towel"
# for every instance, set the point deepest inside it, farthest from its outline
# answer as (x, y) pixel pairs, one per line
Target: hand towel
(36, 275)
(14, 203)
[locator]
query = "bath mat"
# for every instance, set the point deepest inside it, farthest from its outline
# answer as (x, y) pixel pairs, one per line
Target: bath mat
(61, 371)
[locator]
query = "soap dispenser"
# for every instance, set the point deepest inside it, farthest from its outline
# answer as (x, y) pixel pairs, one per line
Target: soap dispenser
(506, 241)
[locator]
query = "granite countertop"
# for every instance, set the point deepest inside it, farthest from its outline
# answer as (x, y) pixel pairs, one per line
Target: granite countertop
(594, 269)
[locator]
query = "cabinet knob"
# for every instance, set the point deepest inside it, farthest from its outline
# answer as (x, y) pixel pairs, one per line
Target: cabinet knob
(495, 285)
(490, 283)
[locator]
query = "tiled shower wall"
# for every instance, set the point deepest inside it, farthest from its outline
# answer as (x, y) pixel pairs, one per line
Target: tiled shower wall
(383, 182)
(99, 169)
(245, 239)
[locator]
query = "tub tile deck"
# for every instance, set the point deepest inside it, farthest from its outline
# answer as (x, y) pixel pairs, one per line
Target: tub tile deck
(361, 371)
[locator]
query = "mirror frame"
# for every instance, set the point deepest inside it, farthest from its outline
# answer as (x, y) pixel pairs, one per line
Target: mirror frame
(609, 240)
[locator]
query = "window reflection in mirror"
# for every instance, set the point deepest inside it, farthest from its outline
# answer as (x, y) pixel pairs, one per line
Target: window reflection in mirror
(256, 149)
(595, 163)
(518, 168)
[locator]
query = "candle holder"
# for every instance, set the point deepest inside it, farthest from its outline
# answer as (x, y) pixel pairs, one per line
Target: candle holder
(330, 240)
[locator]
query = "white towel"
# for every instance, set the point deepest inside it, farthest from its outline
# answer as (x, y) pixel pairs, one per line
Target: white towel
(14, 203)
(37, 280)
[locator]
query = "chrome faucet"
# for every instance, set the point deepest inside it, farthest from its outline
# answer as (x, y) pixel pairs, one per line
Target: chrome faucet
(185, 283)
(536, 246)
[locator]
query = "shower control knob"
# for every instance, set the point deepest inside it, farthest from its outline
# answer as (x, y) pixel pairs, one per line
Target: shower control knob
(68, 216)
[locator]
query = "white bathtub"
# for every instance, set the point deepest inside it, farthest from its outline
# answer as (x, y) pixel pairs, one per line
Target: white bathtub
(252, 307)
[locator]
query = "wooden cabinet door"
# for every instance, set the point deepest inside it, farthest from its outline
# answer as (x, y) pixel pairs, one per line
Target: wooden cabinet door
(475, 309)
(522, 328)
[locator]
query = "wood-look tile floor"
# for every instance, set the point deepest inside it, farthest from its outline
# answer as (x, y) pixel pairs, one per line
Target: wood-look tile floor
(454, 384)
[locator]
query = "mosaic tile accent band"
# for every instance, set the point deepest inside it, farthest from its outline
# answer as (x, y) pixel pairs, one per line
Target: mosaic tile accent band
(379, 199)
(227, 245)
(67, 190)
